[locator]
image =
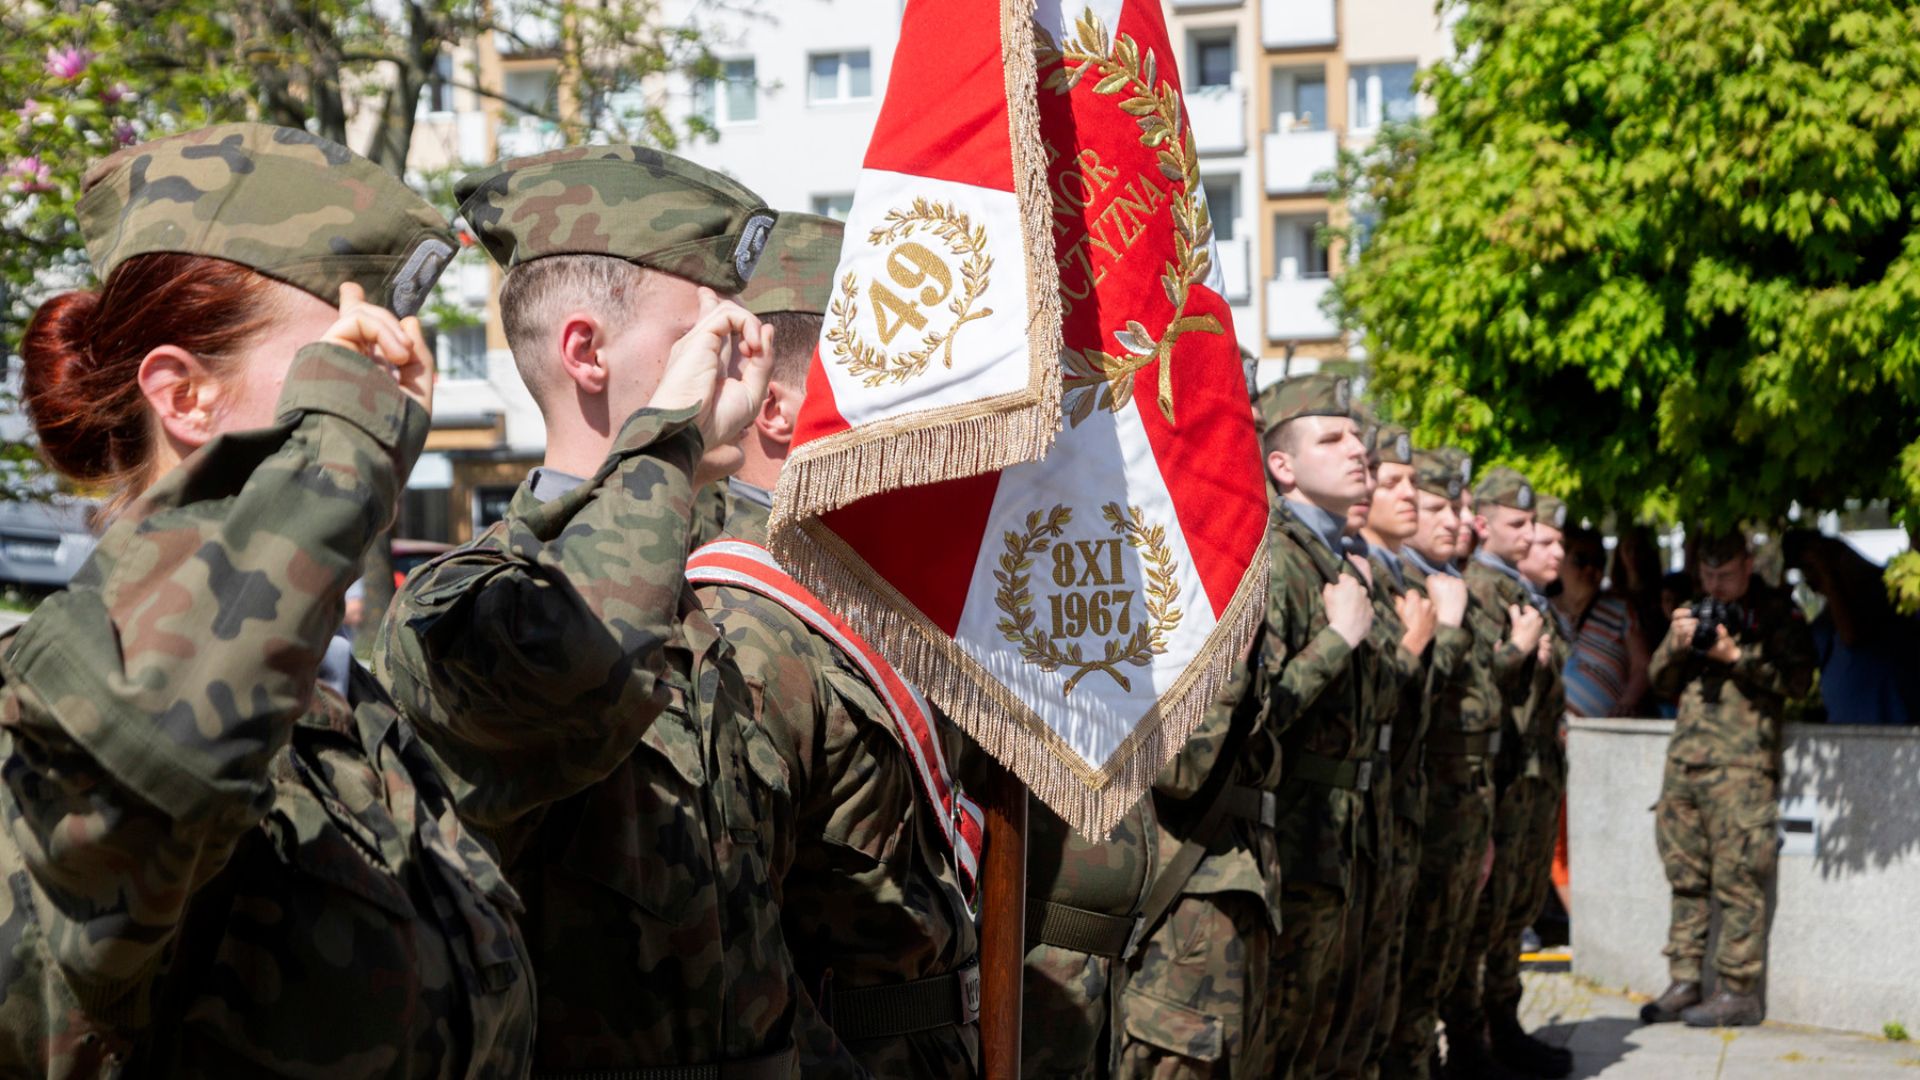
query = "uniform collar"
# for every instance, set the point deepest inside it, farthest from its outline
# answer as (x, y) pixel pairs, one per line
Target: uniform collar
(1390, 559)
(1324, 526)
(1426, 567)
(549, 484)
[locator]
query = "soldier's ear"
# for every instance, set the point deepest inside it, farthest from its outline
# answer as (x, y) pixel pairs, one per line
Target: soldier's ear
(778, 413)
(1280, 468)
(183, 394)
(579, 340)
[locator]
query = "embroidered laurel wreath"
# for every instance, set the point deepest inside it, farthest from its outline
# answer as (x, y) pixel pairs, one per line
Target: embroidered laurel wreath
(1020, 626)
(873, 364)
(1123, 68)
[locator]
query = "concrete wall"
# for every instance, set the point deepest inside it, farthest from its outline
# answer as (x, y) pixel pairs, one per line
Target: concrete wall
(1844, 952)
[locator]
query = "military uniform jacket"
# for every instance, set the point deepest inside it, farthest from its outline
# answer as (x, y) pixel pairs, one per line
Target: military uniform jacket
(873, 896)
(1324, 694)
(1390, 669)
(1730, 713)
(1443, 666)
(1468, 704)
(216, 867)
(597, 727)
(1528, 689)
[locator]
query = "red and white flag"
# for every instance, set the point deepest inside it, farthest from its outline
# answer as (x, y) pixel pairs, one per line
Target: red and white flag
(1026, 468)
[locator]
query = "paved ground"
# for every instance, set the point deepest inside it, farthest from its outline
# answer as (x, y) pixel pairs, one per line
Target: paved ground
(1603, 1030)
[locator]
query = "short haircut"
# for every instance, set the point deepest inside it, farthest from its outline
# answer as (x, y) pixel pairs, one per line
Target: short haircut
(1283, 437)
(535, 294)
(795, 333)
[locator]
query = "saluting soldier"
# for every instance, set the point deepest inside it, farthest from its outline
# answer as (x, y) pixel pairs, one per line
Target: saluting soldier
(875, 903)
(595, 724)
(1459, 749)
(219, 865)
(1505, 505)
(1317, 463)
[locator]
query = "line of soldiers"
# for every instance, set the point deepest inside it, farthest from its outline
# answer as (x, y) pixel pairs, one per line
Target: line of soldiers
(687, 822)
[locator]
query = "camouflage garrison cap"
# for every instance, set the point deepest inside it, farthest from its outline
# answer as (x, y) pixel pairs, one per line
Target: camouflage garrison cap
(1392, 445)
(1504, 487)
(1319, 394)
(796, 270)
(291, 205)
(1550, 512)
(1436, 472)
(628, 202)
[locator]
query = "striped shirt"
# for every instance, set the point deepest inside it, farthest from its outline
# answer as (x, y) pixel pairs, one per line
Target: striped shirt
(1596, 672)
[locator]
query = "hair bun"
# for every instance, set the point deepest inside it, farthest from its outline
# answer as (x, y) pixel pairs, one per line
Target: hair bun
(60, 388)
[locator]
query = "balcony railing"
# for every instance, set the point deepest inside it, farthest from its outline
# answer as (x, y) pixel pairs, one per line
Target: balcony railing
(1293, 307)
(1235, 273)
(1296, 159)
(1219, 118)
(1294, 24)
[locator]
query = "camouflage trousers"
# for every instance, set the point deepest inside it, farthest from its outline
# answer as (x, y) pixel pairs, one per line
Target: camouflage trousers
(1312, 926)
(1199, 992)
(1526, 821)
(1453, 847)
(1350, 1012)
(1067, 1013)
(1717, 830)
(1403, 873)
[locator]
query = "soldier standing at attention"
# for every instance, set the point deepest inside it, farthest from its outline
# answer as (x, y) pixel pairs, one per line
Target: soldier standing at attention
(1717, 819)
(559, 665)
(1318, 465)
(219, 865)
(1459, 749)
(1530, 776)
(875, 904)
(1505, 502)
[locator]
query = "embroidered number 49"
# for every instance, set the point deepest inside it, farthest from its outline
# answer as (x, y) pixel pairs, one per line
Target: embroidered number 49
(910, 266)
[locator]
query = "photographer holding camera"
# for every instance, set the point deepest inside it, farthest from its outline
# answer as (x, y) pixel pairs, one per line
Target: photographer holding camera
(1734, 657)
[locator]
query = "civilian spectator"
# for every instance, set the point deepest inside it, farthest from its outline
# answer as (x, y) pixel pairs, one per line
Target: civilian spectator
(1606, 674)
(1866, 649)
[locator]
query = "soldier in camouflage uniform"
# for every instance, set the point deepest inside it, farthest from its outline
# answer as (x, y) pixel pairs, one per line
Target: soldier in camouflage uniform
(874, 904)
(1463, 736)
(1717, 817)
(593, 721)
(217, 865)
(1505, 505)
(1320, 623)
(1530, 775)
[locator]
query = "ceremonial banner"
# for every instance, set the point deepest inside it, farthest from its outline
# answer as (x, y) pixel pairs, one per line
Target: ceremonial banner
(1026, 468)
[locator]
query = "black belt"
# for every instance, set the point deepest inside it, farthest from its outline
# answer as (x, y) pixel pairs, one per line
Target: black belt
(879, 1012)
(772, 1067)
(1350, 775)
(1092, 932)
(1457, 744)
(1257, 805)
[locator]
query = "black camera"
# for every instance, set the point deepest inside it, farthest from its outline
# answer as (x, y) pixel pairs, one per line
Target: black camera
(1712, 615)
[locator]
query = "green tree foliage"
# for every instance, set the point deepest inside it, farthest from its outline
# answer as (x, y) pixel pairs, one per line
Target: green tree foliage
(1662, 253)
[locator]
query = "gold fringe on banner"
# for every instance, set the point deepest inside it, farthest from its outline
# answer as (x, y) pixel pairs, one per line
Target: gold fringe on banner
(1090, 799)
(988, 435)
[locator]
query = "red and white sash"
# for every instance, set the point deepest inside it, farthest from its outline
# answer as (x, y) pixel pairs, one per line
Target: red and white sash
(752, 567)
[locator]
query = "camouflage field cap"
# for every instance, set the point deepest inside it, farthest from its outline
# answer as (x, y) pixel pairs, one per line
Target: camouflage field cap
(1504, 487)
(1392, 445)
(1436, 472)
(796, 269)
(1550, 512)
(1319, 394)
(293, 206)
(628, 202)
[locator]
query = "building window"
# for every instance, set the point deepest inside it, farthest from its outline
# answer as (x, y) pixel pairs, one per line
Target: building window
(490, 505)
(836, 207)
(424, 516)
(530, 93)
(1380, 93)
(1299, 99)
(461, 352)
(439, 95)
(1223, 204)
(1299, 250)
(1213, 60)
(734, 98)
(838, 77)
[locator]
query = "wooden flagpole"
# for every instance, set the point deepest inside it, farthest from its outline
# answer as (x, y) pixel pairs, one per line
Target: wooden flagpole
(1003, 922)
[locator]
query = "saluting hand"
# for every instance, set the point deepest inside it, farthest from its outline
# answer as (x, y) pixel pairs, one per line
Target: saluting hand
(385, 338)
(1349, 609)
(1449, 598)
(1417, 614)
(721, 366)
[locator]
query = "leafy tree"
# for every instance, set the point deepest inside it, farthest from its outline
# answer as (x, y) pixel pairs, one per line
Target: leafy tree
(1661, 253)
